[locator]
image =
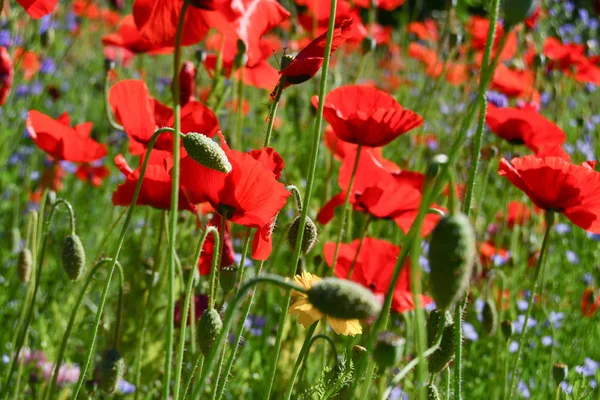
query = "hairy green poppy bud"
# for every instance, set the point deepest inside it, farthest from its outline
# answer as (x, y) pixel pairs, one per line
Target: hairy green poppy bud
(343, 299)
(436, 163)
(440, 359)
(559, 372)
(516, 11)
(368, 44)
(109, 65)
(489, 317)
(507, 329)
(309, 238)
(209, 329)
(451, 258)
(432, 392)
(206, 152)
(73, 257)
(388, 350)
(227, 278)
(112, 369)
(24, 266)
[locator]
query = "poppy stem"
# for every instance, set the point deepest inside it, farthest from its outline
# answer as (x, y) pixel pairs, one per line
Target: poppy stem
(549, 218)
(239, 115)
(300, 359)
(216, 265)
(360, 244)
(67, 333)
(273, 112)
(310, 181)
(346, 209)
(174, 205)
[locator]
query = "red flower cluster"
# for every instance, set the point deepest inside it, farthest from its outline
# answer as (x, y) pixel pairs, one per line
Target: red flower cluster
(6, 74)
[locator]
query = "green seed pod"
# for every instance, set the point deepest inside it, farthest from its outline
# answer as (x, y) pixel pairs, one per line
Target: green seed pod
(440, 359)
(436, 163)
(516, 11)
(489, 317)
(206, 152)
(388, 350)
(506, 328)
(73, 257)
(25, 264)
(358, 352)
(451, 259)
(309, 238)
(559, 372)
(432, 392)
(209, 329)
(112, 369)
(343, 299)
(47, 37)
(227, 278)
(368, 45)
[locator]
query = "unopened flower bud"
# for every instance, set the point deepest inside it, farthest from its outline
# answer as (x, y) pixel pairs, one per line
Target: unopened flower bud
(559, 372)
(516, 11)
(111, 371)
(209, 329)
(286, 60)
(388, 350)
(309, 238)
(358, 352)
(539, 60)
(455, 40)
(343, 299)
(73, 257)
(25, 264)
(109, 65)
(434, 167)
(207, 152)
(489, 317)
(187, 83)
(200, 55)
(227, 278)
(47, 37)
(507, 329)
(368, 44)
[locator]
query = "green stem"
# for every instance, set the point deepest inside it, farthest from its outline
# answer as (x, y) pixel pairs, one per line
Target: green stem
(532, 291)
(316, 141)
(300, 359)
(360, 245)
(458, 315)
(239, 117)
(198, 366)
(174, 205)
(111, 120)
(216, 265)
(120, 242)
(273, 112)
(228, 319)
(67, 333)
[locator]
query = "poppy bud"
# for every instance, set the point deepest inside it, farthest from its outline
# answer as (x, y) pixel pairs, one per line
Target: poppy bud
(455, 40)
(109, 65)
(432, 392)
(559, 372)
(516, 11)
(343, 299)
(227, 278)
(539, 60)
(24, 266)
(506, 328)
(388, 350)
(47, 37)
(358, 352)
(490, 317)
(434, 167)
(440, 359)
(187, 83)
(200, 55)
(310, 234)
(209, 329)
(73, 257)
(111, 371)
(117, 4)
(451, 258)
(286, 60)
(368, 45)
(435, 320)
(206, 152)
(6, 74)
(241, 58)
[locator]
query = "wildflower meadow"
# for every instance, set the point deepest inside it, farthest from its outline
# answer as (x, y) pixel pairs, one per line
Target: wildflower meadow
(299, 199)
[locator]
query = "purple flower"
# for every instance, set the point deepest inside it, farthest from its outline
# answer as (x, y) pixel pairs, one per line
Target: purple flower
(561, 228)
(5, 38)
(67, 373)
(523, 389)
(520, 322)
(513, 347)
(125, 387)
(547, 341)
(398, 394)
(469, 332)
(497, 99)
(48, 66)
(522, 304)
(556, 318)
(588, 368)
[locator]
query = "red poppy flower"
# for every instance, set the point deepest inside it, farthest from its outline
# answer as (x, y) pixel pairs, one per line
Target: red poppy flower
(141, 115)
(59, 140)
(128, 37)
(92, 174)
(227, 259)
(27, 61)
(426, 30)
(308, 62)
(478, 28)
(487, 253)
(524, 126)
(563, 56)
(250, 193)
(187, 83)
(200, 305)
(38, 8)
(367, 116)
(553, 183)
(373, 269)
(156, 184)
(387, 5)
(6, 74)
(512, 82)
(533, 18)
(517, 214)
(589, 305)
(587, 72)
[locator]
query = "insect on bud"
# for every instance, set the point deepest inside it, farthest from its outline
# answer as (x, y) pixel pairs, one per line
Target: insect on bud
(343, 299)
(388, 350)
(209, 329)
(25, 264)
(309, 238)
(206, 152)
(73, 257)
(111, 371)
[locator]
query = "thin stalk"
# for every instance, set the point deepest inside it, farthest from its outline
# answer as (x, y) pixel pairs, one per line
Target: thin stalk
(197, 367)
(360, 245)
(239, 115)
(273, 112)
(300, 359)
(316, 141)
(534, 284)
(174, 205)
(109, 116)
(218, 246)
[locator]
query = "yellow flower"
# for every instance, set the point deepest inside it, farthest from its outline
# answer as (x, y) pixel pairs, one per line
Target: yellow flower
(309, 314)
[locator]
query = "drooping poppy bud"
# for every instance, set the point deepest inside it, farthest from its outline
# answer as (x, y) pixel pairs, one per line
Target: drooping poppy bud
(309, 239)
(432, 392)
(451, 258)
(111, 371)
(516, 11)
(24, 265)
(388, 350)
(489, 317)
(440, 359)
(343, 299)
(206, 152)
(209, 329)
(227, 278)
(6, 74)
(73, 257)
(559, 372)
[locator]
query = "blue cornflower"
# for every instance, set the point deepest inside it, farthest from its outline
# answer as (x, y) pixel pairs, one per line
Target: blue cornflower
(561, 228)
(547, 341)
(572, 257)
(125, 387)
(588, 368)
(5, 38)
(469, 331)
(497, 99)
(48, 66)
(523, 389)
(518, 324)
